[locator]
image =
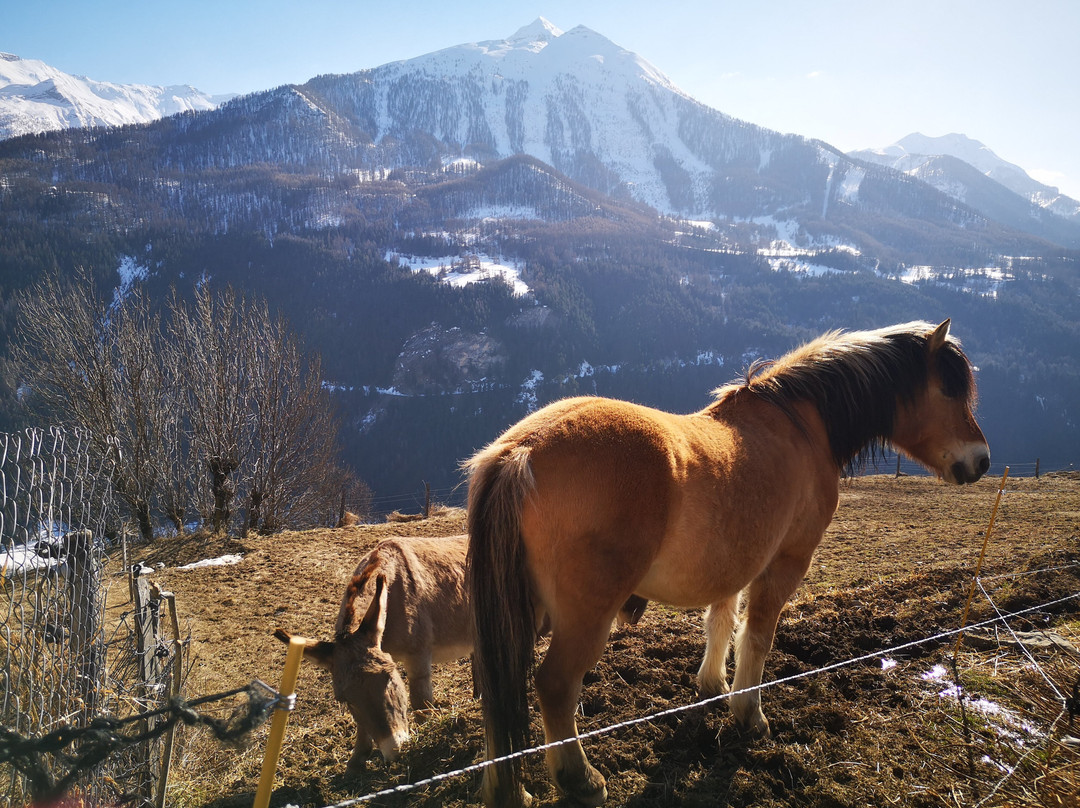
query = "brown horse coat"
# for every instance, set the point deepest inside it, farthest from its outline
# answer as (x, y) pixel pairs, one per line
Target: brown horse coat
(589, 501)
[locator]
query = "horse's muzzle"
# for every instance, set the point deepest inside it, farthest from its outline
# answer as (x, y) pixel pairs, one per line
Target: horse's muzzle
(964, 472)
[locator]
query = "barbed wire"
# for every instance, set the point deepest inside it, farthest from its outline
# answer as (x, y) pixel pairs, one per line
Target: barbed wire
(104, 735)
(405, 788)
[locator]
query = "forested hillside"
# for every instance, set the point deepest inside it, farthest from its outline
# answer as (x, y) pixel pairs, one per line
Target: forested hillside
(621, 304)
(733, 243)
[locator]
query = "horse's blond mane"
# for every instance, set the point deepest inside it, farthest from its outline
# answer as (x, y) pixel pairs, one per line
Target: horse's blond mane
(840, 369)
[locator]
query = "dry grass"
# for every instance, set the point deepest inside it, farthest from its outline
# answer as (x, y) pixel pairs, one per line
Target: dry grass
(894, 569)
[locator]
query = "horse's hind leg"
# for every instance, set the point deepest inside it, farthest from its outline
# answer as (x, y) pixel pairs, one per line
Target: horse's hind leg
(574, 650)
(766, 596)
(719, 624)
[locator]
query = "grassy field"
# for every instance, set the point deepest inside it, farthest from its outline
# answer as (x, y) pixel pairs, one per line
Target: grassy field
(889, 729)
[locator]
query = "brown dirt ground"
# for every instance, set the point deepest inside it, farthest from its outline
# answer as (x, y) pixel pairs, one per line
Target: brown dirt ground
(894, 568)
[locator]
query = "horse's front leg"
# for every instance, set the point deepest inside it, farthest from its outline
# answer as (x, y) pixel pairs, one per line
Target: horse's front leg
(719, 625)
(575, 648)
(766, 596)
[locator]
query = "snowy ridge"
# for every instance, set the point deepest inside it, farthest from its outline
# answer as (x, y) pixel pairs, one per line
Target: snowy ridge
(912, 154)
(35, 97)
(574, 100)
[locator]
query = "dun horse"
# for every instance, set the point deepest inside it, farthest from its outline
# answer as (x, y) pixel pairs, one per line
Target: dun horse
(589, 501)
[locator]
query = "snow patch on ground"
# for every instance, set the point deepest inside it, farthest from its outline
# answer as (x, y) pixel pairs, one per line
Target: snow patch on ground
(800, 266)
(984, 281)
(130, 272)
(220, 561)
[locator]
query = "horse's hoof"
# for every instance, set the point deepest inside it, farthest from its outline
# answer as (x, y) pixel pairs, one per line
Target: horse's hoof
(757, 731)
(708, 690)
(588, 788)
(493, 798)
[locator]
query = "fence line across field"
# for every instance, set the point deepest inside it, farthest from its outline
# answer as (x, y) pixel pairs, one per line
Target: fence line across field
(455, 494)
(1034, 662)
(60, 662)
(477, 767)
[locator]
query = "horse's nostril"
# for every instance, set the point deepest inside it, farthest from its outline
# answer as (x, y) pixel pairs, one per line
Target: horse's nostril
(984, 465)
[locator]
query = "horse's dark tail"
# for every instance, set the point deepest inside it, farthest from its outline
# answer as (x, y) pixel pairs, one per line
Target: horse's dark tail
(503, 613)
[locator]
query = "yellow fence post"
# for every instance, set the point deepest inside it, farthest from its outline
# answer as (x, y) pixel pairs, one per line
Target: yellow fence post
(978, 567)
(281, 718)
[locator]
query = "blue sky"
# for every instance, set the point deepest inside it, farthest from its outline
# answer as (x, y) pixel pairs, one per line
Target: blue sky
(855, 73)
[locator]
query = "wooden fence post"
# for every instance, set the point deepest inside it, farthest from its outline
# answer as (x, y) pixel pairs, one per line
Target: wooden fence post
(174, 690)
(85, 599)
(147, 616)
(279, 721)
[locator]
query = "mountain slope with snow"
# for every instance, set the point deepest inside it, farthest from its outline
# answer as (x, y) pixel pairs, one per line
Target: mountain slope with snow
(575, 100)
(597, 113)
(35, 97)
(914, 153)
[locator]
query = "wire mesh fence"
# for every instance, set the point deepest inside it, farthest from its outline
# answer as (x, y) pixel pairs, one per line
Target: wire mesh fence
(63, 664)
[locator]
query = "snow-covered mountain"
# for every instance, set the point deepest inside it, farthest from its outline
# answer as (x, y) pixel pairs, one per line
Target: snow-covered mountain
(610, 120)
(35, 97)
(918, 154)
(574, 100)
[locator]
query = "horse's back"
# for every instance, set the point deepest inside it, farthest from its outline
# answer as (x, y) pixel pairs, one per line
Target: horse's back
(682, 508)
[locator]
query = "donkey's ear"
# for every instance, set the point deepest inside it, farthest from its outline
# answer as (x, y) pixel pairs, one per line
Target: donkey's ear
(320, 652)
(374, 623)
(938, 336)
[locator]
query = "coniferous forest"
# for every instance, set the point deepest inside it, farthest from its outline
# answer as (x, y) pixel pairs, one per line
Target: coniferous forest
(622, 301)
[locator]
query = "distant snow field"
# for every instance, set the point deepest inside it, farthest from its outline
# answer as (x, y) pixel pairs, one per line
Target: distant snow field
(458, 270)
(986, 282)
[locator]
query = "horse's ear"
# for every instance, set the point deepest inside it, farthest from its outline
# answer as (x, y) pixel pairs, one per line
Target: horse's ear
(374, 622)
(939, 335)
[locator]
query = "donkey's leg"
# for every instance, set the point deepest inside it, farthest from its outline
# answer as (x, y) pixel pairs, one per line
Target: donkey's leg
(418, 669)
(575, 647)
(361, 750)
(719, 624)
(766, 596)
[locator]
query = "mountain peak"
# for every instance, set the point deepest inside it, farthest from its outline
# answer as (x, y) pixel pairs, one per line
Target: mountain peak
(912, 152)
(539, 30)
(954, 144)
(37, 97)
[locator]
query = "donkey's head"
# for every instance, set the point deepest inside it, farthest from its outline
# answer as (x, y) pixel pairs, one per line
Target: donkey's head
(366, 680)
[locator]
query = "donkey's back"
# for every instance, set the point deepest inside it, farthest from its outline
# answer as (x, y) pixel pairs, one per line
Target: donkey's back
(427, 608)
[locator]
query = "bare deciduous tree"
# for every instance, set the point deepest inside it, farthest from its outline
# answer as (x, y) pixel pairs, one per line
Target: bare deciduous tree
(290, 454)
(215, 406)
(99, 366)
(211, 342)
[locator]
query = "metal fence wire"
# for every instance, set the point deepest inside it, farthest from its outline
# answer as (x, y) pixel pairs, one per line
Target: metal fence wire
(61, 662)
